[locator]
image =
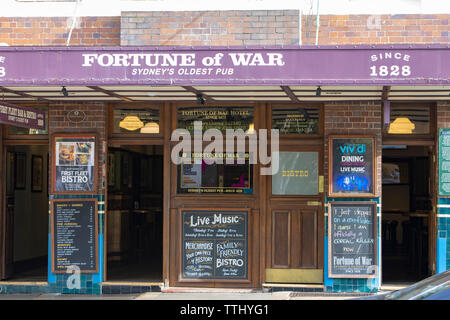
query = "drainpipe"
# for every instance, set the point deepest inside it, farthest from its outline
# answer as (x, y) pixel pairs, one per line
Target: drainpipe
(317, 24)
(74, 20)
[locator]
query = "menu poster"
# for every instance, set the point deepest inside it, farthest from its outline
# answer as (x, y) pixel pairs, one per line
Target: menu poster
(214, 244)
(74, 235)
(352, 234)
(352, 166)
(74, 164)
(444, 162)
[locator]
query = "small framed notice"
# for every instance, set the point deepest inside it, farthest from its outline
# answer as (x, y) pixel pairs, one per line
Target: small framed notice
(74, 163)
(352, 166)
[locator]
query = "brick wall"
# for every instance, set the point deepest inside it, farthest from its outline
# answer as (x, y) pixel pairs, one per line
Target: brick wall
(278, 27)
(377, 29)
(211, 28)
(88, 31)
(225, 28)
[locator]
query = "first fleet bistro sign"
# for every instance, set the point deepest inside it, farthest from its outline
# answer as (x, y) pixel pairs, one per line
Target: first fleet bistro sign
(333, 65)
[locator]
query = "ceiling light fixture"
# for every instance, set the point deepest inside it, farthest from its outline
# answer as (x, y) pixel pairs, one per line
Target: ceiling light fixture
(200, 100)
(318, 91)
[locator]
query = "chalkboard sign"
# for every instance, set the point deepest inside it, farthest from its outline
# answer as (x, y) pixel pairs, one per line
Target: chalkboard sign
(352, 166)
(352, 240)
(214, 244)
(74, 235)
(444, 162)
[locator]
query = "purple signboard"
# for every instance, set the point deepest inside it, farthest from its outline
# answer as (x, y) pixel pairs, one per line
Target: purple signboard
(21, 116)
(310, 65)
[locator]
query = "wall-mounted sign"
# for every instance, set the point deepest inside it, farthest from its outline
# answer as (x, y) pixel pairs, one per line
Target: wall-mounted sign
(220, 118)
(444, 162)
(214, 244)
(22, 116)
(290, 120)
(297, 175)
(356, 65)
(352, 239)
(74, 163)
(352, 166)
(76, 116)
(74, 235)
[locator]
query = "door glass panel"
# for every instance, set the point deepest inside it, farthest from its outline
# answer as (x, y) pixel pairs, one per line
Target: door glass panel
(297, 174)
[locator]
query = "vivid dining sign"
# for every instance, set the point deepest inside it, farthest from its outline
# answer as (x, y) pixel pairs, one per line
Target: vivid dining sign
(352, 166)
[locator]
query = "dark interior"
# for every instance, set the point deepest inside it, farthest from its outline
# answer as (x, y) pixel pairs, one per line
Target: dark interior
(135, 213)
(26, 221)
(406, 207)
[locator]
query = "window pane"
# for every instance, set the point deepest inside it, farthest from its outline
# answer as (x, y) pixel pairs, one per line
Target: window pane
(296, 120)
(409, 119)
(298, 174)
(220, 118)
(136, 120)
(13, 130)
(216, 178)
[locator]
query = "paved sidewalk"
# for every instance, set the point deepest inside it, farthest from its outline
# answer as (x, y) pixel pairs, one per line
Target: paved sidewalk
(282, 295)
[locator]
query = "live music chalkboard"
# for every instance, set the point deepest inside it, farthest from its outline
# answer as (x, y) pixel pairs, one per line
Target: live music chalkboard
(214, 244)
(74, 235)
(352, 239)
(352, 166)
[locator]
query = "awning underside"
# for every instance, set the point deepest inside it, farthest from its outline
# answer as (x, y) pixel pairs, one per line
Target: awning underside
(217, 94)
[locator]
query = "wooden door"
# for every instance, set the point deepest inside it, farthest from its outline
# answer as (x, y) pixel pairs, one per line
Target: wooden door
(295, 217)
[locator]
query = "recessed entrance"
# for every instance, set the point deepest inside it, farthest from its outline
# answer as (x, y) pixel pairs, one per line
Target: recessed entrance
(135, 213)
(26, 213)
(406, 213)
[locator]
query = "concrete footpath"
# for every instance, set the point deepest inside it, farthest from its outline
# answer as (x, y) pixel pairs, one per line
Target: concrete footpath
(282, 295)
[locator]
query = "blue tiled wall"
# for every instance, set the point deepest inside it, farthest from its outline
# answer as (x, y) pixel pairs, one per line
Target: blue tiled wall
(443, 235)
(57, 283)
(351, 284)
(90, 283)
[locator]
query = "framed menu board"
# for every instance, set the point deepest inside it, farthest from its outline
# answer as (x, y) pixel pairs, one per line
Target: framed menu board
(74, 163)
(444, 162)
(74, 235)
(214, 244)
(352, 239)
(352, 166)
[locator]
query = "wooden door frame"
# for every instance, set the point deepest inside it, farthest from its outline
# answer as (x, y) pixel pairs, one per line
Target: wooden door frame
(161, 139)
(433, 167)
(294, 143)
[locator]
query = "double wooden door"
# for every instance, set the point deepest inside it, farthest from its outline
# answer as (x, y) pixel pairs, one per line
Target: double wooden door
(295, 217)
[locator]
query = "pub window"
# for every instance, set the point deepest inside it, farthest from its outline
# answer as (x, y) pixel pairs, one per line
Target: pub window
(301, 120)
(409, 119)
(136, 121)
(220, 118)
(230, 177)
(13, 130)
